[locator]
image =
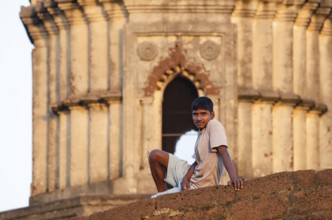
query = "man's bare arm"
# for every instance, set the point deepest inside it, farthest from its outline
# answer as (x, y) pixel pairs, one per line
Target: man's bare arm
(186, 179)
(236, 182)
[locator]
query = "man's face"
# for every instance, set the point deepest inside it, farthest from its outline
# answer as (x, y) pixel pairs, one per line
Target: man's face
(201, 117)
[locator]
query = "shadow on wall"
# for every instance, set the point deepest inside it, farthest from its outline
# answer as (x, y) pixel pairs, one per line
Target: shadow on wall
(303, 194)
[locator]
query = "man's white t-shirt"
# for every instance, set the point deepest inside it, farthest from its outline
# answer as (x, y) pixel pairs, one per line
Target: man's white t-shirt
(209, 168)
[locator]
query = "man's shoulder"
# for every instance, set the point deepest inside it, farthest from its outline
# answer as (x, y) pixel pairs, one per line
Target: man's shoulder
(214, 123)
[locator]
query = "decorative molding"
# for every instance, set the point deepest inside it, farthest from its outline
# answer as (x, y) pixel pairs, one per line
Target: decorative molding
(252, 95)
(209, 50)
(147, 51)
(175, 64)
(85, 101)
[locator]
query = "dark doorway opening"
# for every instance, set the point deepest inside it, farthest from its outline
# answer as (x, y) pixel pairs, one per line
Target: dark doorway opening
(176, 118)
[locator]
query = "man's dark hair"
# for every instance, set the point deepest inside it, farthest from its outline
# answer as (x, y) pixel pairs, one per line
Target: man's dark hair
(202, 103)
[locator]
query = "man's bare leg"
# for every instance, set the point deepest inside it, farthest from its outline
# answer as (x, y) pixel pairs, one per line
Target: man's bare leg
(158, 160)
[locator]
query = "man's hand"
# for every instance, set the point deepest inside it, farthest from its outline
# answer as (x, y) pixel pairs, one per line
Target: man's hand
(185, 185)
(237, 183)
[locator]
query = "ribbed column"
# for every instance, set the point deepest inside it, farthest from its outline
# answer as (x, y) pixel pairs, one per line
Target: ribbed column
(98, 149)
(262, 82)
(117, 19)
(52, 76)
(146, 107)
(79, 86)
(283, 48)
(325, 69)
(64, 150)
(299, 136)
(262, 46)
(282, 82)
(115, 153)
(299, 48)
(283, 135)
(79, 57)
(244, 134)
(63, 89)
(63, 80)
(262, 143)
(99, 46)
(78, 146)
(299, 85)
(40, 102)
(242, 17)
(312, 137)
(312, 59)
(313, 86)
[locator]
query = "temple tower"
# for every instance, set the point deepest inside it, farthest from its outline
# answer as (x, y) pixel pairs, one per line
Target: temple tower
(103, 71)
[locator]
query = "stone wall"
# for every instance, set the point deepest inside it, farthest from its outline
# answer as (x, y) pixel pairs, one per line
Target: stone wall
(303, 194)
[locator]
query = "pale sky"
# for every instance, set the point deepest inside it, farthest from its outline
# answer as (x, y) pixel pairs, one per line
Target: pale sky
(15, 107)
(16, 110)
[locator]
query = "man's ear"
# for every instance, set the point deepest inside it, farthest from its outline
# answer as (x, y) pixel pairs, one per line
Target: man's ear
(212, 114)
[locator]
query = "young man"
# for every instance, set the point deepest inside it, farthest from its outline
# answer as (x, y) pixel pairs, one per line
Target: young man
(211, 156)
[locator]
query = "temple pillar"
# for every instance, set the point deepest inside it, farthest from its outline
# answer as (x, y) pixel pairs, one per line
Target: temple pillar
(79, 58)
(325, 69)
(78, 145)
(299, 84)
(262, 46)
(52, 76)
(299, 132)
(79, 87)
(62, 93)
(63, 80)
(262, 82)
(313, 86)
(64, 150)
(98, 146)
(262, 152)
(117, 19)
(283, 84)
(312, 139)
(244, 153)
(115, 141)
(40, 101)
(283, 135)
(243, 18)
(98, 50)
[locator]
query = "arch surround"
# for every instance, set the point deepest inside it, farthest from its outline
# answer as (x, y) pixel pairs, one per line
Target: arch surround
(177, 64)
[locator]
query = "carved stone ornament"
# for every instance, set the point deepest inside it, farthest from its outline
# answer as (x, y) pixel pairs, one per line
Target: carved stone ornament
(209, 50)
(147, 50)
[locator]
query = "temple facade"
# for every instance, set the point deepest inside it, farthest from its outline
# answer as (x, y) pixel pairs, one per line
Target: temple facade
(114, 79)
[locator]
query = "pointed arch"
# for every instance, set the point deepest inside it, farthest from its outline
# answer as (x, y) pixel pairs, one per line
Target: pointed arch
(177, 64)
(176, 111)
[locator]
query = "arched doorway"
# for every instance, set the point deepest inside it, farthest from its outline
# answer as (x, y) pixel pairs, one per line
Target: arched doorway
(176, 118)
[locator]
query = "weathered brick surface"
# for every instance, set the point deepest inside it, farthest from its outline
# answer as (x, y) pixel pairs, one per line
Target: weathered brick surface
(324, 177)
(312, 200)
(305, 194)
(190, 199)
(305, 179)
(268, 206)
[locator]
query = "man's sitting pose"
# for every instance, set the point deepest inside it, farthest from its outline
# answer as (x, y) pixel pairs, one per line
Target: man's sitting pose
(211, 156)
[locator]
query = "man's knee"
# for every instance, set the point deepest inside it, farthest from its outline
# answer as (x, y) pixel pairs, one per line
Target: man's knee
(159, 156)
(154, 155)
